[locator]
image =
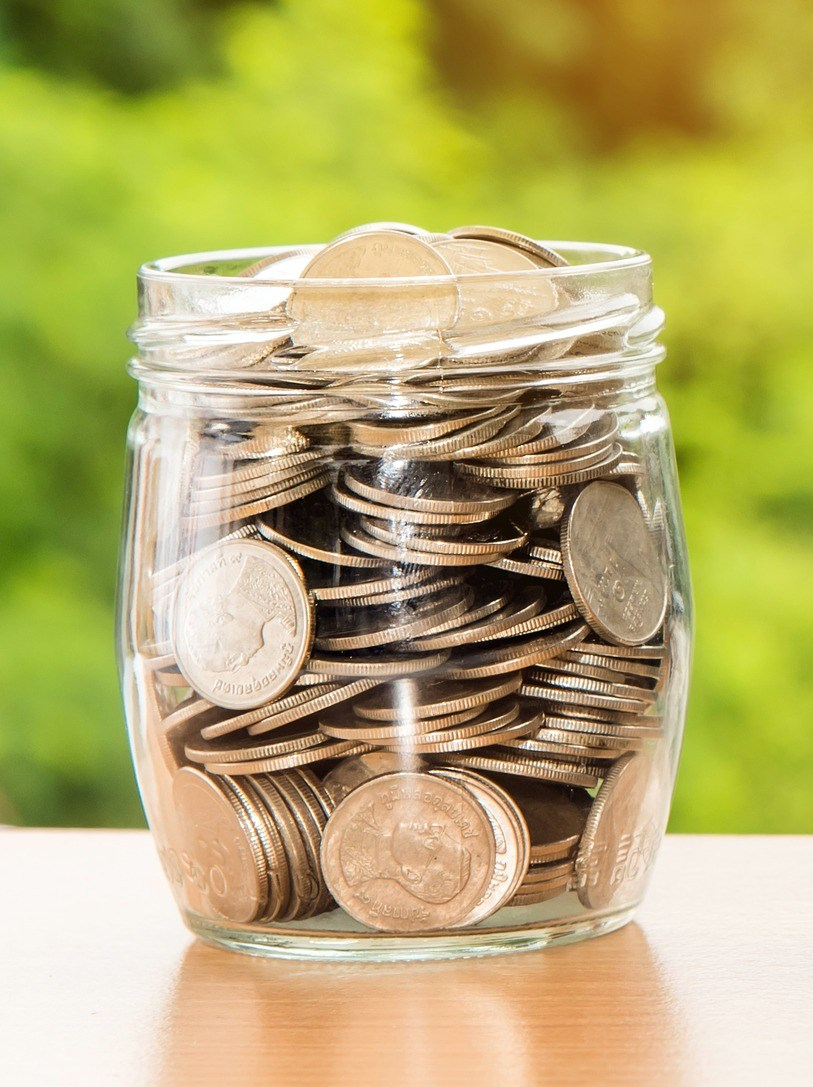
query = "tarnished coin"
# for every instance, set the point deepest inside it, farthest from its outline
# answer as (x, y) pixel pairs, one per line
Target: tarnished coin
(612, 565)
(350, 773)
(341, 309)
(512, 839)
(241, 625)
(225, 858)
(621, 835)
(409, 852)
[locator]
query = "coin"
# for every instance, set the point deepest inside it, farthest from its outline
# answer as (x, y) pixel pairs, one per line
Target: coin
(330, 749)
(543, 253)
(621, 836)
(353, 588)
(311, 530)
(224, 854)
(483, 542)
(375, 665)
(612, 565)
(394, 622)
(409, 852)
(477, 627)
(241, 623)
(425, 488)
(314, 482)
(275, 859)
(350, 773)
(521, 654)
(507, 762)
(412, 700)
(384, 435)
(325, 312)
(511, 836)
(555, 815)
(319, 699)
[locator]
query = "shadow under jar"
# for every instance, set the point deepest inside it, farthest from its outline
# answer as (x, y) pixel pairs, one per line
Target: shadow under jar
(405, 614)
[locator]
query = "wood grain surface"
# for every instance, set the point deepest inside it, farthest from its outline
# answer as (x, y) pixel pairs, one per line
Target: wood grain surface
(100, 984)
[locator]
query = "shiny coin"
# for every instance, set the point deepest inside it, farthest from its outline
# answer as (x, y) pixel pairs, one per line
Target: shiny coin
(311, 530)
(395, 622)
(384, 435)
(477, 625)
(424, 488)
(274, 858)
(326, 312)
(350, 501)
(312, 483)
(409, 853)
(319, 699)
(523, 564)
(555, 770)
(612, 565)
(543, 254)
(332, 749)
(207, 752)
(346, 727)
(621, 835)
(483, 542)
(553, 692)
(352, 586)
(415, 700)
(241, 623)
(375, 665)
(521, 654)
(363, 541)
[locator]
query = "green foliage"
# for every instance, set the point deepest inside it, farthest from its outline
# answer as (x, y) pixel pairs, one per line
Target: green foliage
(321, 115)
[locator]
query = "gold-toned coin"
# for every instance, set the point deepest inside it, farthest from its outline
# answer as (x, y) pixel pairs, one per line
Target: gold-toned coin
(311, 530)
(409, 852)
(545, 620)
(479, 624)
(612, 566)
(401, 553)
(482, 542)
(386, 434)
(552, 692)
(208, 752)
(274, 857)
(520, 563)
(242, 623)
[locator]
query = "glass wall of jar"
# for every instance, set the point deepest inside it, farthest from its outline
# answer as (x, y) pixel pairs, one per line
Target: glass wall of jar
(405, 614)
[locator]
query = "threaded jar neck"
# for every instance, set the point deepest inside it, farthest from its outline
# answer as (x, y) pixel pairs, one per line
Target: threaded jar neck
(206, 323)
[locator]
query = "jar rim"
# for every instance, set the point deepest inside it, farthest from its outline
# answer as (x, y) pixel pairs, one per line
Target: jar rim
(586, 259)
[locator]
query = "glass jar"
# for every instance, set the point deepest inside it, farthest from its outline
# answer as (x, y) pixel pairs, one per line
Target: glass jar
(405, 613)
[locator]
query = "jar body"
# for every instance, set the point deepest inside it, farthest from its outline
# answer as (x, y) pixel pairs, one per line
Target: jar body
(405, 673)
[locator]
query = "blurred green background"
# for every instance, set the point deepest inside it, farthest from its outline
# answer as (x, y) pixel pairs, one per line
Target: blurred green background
(131, 129)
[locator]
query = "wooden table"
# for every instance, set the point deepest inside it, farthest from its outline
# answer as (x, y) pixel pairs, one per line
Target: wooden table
(100, 984)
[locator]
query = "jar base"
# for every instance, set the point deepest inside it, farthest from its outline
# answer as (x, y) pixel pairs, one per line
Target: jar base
(279, 943)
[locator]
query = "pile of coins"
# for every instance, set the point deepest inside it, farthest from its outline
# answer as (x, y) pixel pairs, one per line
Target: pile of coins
(414, 662)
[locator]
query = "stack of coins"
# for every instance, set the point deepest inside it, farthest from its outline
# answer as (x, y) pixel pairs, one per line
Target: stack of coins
(414, 654)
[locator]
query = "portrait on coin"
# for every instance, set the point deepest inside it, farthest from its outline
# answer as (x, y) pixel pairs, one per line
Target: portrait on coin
(423, 856)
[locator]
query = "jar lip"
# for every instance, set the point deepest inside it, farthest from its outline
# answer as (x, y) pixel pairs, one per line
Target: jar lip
(170, 270)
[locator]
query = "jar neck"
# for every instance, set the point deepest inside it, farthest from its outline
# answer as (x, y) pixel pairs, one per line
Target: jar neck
(588, 326)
